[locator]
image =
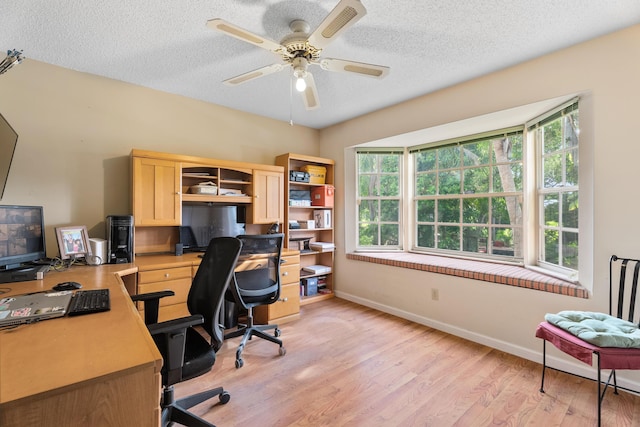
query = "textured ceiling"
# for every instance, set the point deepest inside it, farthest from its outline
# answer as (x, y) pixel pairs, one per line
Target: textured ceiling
(429, 44)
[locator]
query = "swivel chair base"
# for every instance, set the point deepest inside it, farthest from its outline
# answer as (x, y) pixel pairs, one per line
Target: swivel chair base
(249, 331)
(176, 411)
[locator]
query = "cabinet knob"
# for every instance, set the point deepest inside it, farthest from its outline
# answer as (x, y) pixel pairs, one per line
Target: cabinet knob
(166, 274)
(284, 299)
(286, 273)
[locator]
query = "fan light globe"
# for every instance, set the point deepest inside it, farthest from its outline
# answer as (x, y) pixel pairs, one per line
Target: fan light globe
(301, 85)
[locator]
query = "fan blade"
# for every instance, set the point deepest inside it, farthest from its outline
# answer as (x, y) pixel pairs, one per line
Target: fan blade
(340, 65)
(310, 94)
(251, 75)
(244, 35)
(344, 15)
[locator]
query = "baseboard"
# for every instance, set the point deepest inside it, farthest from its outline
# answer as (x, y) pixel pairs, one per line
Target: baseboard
(534, 355)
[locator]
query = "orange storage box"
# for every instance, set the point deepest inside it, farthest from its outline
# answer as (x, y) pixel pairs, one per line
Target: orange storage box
(322, 196)
(317, 174)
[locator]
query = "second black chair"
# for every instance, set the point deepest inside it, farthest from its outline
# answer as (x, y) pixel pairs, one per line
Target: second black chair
(257, 285)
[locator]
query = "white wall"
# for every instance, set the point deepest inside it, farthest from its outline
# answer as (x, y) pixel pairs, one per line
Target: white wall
(76, 132)
(606, 69)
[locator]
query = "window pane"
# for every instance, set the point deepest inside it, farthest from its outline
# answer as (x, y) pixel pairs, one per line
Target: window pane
(389, 234)
(477, 153)
(369, 186)
(551, 246)
(507, 178)
(390, 185)
(551, 211)
(503, 241)
(552, 137)
(570, 250)
(426, 210)
(367, 163)
(368, 210)
(425, 160)
(389, 163)
(572, 167)
(476, 180)
(389, 210)
(449, 182)
(475, 211)
(552, 167)
(449, 238)
(426, 184)
(571, 130)
(448, 157)
(474, 239)
(368, 235)
(449, 210)
(426, 236)
(570, 209)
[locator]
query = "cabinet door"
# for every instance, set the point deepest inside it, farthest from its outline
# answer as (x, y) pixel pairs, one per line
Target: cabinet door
(156, 192)
(268, 197)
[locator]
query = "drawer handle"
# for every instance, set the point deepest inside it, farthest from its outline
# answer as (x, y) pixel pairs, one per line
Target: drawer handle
(285, 299)
(286, 273)
(166, 274)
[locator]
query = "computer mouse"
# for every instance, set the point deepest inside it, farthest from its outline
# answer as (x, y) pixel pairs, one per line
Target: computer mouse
(67, 286)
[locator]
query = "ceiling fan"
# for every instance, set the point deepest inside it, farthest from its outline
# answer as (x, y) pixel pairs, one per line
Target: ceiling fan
(300, 49)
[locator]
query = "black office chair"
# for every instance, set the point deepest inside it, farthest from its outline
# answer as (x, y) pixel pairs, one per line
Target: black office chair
(257, 286)
(186, 353)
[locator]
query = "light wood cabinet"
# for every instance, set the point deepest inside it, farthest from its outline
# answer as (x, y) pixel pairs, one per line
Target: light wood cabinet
(299, 238)
(156, 192)
(162, 183)
(268, 197)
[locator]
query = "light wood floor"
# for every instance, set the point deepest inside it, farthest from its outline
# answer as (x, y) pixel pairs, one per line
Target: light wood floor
(348, 365)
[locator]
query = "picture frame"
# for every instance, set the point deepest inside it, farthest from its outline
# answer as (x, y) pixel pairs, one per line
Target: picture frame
(73, 242)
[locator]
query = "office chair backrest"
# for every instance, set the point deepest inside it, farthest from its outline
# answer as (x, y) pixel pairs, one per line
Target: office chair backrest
(623, 287)
(262, 279)
(211, 282)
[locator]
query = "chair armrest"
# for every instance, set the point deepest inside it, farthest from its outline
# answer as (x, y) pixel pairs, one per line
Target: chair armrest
(170, 337)
(151, 302)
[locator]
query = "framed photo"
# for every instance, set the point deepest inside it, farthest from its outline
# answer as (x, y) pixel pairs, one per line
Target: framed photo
(73, 242)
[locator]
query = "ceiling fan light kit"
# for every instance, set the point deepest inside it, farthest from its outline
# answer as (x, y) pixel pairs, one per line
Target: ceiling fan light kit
(300, 49)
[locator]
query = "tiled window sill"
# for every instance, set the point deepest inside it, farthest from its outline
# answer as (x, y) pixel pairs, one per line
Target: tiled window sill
(504, 274)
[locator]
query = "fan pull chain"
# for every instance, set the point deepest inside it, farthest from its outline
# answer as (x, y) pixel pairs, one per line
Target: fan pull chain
(291, 101)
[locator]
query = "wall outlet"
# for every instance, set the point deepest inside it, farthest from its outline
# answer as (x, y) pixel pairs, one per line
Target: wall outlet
(435, 294)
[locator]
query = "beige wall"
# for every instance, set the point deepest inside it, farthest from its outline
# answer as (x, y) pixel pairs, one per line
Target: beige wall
(606, 71)
(76, 132)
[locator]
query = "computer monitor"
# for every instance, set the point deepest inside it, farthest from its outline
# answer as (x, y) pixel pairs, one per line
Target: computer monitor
(21, 236)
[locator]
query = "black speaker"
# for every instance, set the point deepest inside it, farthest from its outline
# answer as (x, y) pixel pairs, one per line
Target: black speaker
(120, 239)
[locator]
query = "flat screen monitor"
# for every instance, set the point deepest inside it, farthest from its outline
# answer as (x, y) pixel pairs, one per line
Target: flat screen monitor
(21, 235)
(8, 141)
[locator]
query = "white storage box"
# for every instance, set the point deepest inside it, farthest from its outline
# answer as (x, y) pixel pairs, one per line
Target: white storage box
(307, 224)
(317, 269)
(322, 218)
(208, 187)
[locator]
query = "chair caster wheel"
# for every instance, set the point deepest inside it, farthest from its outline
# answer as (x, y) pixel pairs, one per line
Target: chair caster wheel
(239, 363)
(224, 397)
(282, 351)
(277, 333)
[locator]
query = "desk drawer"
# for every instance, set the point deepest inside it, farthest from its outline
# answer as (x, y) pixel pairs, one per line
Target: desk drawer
(288, 305)
(179, 286)
(289, 273)
(164, 275)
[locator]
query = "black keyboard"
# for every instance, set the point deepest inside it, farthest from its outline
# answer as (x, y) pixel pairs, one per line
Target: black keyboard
(89, 301)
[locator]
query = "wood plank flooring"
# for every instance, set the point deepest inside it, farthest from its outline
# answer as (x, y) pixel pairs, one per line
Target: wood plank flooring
(348, 365)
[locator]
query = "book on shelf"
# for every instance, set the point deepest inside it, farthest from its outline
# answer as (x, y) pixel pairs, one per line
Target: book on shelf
(322, 246)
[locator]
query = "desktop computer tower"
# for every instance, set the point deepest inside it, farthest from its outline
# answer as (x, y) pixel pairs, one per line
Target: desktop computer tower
(119, 239)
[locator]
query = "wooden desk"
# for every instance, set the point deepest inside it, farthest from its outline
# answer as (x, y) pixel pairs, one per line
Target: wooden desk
(100, 369)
